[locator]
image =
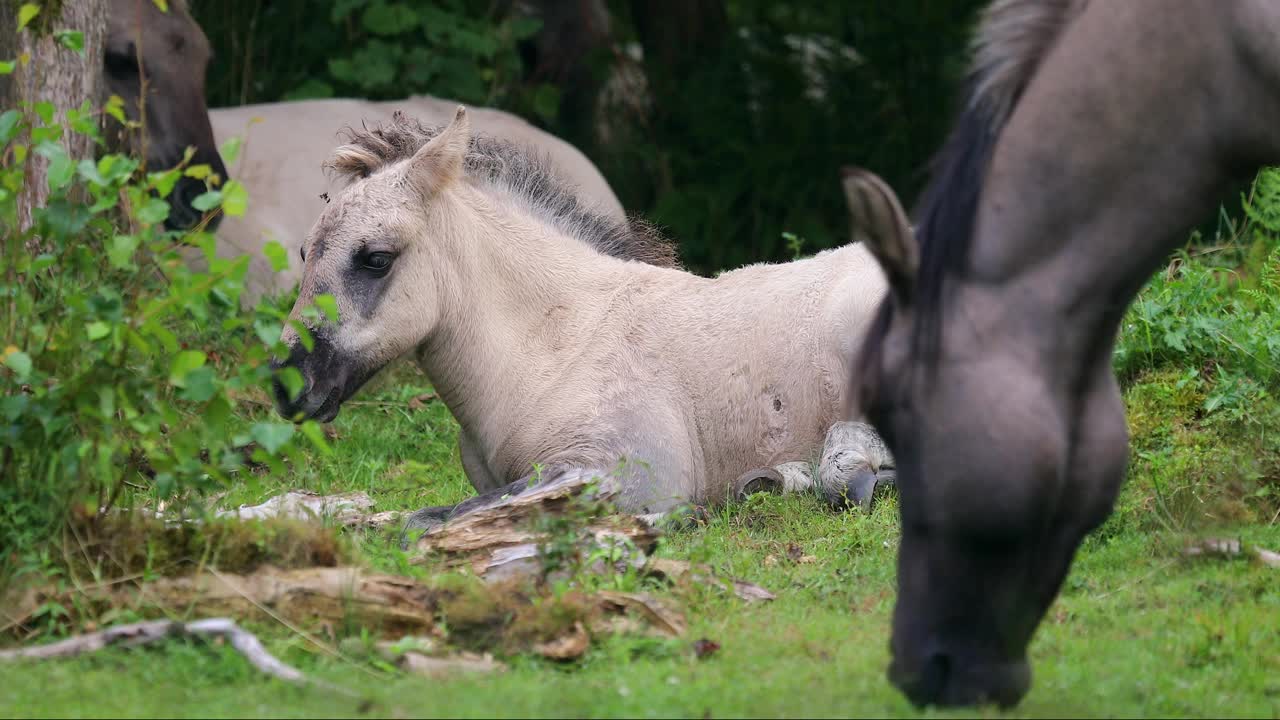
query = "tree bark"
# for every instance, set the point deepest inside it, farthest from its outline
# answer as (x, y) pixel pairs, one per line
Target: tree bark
(52, 73)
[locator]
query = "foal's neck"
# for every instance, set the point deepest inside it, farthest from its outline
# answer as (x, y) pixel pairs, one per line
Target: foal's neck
(520, 297)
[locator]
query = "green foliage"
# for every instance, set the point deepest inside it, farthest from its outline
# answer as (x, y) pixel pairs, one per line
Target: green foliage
(376, 49)
(742, 131)
(1199, 354)
(1216, 315)
(122, 365)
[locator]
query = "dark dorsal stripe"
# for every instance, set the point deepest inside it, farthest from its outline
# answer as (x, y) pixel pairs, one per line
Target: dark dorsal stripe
(524, 171)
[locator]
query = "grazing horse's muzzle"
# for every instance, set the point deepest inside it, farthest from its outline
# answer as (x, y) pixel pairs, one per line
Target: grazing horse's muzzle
(326, 382)
(939, 678)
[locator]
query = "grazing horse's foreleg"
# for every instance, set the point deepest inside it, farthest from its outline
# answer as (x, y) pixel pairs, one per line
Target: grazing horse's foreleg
(855, 461)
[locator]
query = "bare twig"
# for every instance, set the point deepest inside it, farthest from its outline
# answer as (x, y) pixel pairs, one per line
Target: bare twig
(148, 633)
(1232, 549)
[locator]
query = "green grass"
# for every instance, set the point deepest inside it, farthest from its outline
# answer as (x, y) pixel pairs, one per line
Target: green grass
(1138, 630)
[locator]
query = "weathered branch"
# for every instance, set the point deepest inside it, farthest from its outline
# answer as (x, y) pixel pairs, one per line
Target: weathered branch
(154, 631)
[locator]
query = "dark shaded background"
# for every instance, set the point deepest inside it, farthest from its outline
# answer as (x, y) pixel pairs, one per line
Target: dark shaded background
(724, 121)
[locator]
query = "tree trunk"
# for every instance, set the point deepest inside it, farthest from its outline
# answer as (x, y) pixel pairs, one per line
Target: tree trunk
(55, 74)
(678, 35)
(571, 52)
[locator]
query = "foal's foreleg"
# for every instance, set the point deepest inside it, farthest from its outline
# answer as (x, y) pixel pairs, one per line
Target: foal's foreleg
(855, 461)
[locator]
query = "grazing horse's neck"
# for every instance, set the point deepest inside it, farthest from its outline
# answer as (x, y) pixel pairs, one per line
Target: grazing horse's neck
(1097, 176)
(519, 298)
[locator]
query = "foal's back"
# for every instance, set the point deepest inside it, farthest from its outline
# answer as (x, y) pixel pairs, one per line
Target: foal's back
(758, 358)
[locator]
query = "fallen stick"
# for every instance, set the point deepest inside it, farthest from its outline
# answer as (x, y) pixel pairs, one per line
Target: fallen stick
(1232, 548)
(154, 631)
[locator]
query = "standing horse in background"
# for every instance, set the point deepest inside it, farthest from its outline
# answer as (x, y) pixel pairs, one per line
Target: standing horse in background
(164, 54)
(552, 354)
(1095, 134)
(288, 142)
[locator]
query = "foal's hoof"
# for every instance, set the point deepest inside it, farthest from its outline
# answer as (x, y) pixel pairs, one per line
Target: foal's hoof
(758, 480)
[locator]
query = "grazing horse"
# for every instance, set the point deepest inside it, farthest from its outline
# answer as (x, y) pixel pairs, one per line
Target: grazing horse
(556, 357)
(164, 53)
(1094, 135)
(285, 147)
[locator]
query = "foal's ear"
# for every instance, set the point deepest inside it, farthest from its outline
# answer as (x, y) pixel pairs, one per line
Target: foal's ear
(876, 212)
(439, 162)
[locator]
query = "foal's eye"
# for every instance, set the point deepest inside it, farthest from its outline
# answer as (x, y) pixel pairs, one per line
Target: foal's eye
(378, 262)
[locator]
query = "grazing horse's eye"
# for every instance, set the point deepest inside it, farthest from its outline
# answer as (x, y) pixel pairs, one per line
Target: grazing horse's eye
(377, 262)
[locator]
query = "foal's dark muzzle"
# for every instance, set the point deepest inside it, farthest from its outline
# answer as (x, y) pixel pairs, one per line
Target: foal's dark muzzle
(324, 383)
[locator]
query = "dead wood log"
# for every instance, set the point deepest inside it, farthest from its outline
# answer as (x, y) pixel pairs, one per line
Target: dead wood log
(154, 631)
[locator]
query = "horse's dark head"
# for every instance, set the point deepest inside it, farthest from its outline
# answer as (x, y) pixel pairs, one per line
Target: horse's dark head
(155, 61)
(1007, 451)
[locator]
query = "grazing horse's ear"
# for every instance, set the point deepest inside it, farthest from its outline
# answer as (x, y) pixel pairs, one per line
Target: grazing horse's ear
(879, 216)
(439, 162)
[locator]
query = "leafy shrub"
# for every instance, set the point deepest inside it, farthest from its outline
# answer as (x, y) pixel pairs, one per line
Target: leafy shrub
(111, 390)
(1199, 354)
(1216, 314)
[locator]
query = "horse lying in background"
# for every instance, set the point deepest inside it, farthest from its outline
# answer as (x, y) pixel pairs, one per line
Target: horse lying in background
(556, 356)
(167, 53)
(1080, 160)
(285, 147)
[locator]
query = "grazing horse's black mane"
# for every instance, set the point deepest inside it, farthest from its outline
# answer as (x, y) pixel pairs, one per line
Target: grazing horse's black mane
(1012, 38)
(524, 172)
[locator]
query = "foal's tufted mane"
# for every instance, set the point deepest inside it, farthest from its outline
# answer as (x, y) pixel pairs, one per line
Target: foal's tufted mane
(524, 172)
(1012, 38)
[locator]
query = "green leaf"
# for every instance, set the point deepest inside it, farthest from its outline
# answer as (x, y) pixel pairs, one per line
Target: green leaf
(315, 434)
(164, 181)
(235, 199)
(207, 200)
(27, 13)
(304, 335)
(44, 109)
(97, 330)
(389, 18)
(153, 211)
(329, 305)
(61, 167)
(276, 253)
(310, 88)
(292, 380)
(271, 436)
(115, 108)
(20, 363)
(70, 39)
(183, 363)
(42, 262)
(121, 251)
(268, 331)
(199, 385)
(230, 150)
(199, 172)
(162, 4)
(7, 67)
(9, 125)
